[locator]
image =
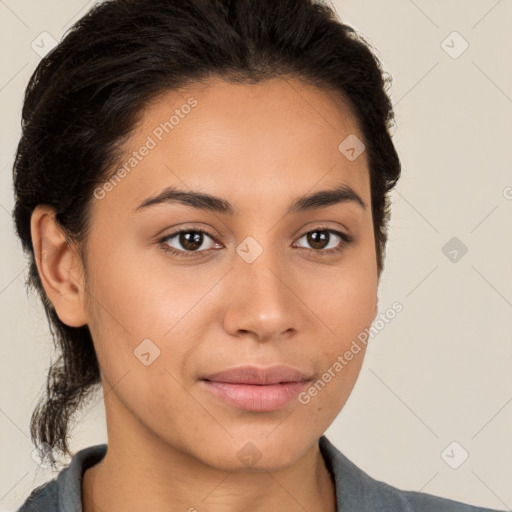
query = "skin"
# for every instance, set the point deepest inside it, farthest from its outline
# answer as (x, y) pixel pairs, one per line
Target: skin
(171, 444)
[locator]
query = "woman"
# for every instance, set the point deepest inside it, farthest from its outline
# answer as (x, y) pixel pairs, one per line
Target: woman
(202, 189)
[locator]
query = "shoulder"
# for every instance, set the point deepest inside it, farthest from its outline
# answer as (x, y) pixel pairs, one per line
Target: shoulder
(358, 491)
(44, 497)
(64, 492)
(415, 501)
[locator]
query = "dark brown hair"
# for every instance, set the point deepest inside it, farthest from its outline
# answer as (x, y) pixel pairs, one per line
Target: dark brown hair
(87, 94)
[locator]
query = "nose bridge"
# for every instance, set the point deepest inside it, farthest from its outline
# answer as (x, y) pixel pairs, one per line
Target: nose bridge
(262, 302)
(258, 265)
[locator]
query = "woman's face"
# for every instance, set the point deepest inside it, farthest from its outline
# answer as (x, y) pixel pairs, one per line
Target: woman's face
(263, 287)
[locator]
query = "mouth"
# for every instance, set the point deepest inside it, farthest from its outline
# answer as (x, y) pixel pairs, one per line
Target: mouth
(257, 389)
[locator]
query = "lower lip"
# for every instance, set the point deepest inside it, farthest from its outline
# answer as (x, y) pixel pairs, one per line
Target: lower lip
(253, 397)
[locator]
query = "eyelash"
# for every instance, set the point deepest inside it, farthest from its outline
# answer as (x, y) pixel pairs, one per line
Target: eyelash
(346, 240)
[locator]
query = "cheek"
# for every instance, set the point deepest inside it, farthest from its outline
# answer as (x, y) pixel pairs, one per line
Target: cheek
(132, 302)
(345, 304)
(347, 310)
(136, 296)
(344, 296)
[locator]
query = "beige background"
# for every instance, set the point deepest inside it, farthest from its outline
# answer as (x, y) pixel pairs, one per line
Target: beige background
(440, 371)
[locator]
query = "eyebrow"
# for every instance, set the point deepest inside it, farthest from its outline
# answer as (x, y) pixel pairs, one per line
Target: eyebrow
(203, 201)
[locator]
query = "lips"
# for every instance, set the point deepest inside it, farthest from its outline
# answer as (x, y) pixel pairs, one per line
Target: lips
(256, 389)
(259, 376)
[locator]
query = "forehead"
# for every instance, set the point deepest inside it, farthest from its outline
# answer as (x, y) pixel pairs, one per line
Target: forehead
(242, 140)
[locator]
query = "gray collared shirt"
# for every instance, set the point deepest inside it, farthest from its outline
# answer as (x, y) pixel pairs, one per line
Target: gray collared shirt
(356, 491)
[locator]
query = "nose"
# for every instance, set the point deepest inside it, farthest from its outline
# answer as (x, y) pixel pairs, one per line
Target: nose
(263, 300)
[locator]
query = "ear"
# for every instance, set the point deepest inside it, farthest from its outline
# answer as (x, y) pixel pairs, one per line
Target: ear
(59, 266)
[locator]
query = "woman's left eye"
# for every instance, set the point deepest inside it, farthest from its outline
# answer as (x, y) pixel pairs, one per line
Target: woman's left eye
(320, 240)
(192, 240)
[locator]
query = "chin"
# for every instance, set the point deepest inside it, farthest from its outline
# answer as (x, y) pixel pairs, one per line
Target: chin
(259, 450)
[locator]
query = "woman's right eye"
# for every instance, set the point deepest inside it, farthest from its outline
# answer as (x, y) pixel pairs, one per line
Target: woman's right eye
(191, 240)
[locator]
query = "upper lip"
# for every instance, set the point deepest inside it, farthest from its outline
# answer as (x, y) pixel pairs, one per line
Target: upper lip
(257, 375)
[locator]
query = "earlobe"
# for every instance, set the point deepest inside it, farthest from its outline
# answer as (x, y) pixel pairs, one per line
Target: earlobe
(59, 267)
